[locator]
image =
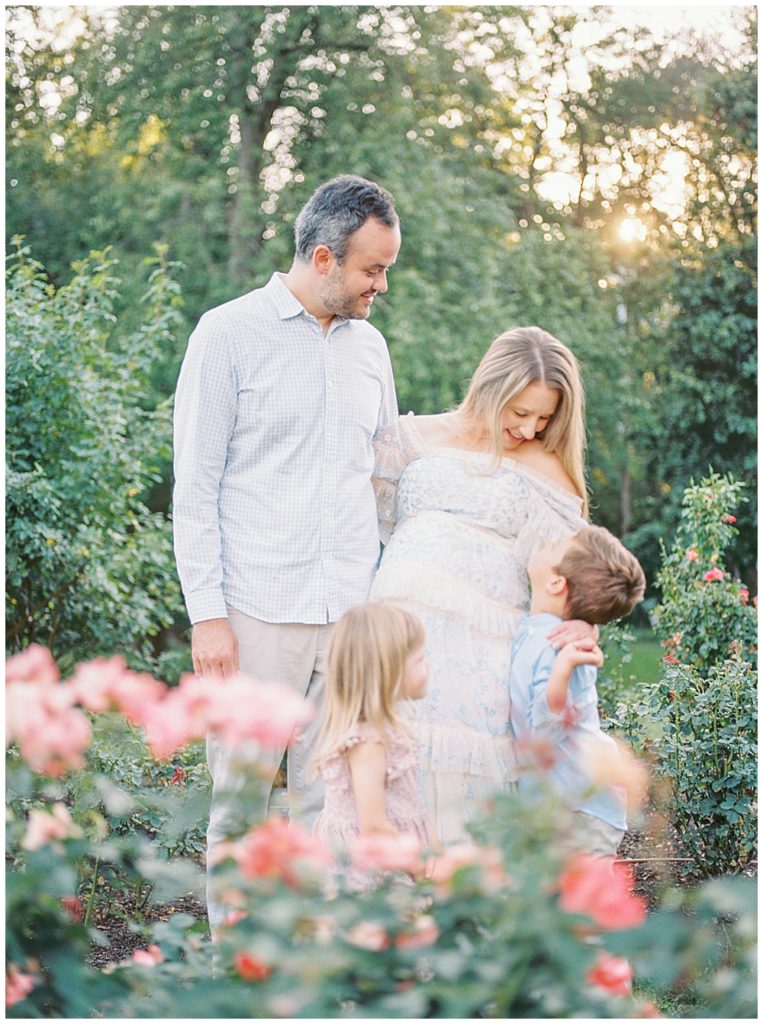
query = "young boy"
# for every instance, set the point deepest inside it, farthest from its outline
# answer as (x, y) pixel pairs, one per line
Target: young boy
(588, 575)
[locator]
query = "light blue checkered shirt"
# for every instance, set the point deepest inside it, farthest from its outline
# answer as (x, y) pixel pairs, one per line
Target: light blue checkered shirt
(273, 509)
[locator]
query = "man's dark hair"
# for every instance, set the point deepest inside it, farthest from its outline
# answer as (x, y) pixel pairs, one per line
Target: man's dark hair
(337, 209)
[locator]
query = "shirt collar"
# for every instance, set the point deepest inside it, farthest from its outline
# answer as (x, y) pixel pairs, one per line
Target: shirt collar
(286, 302)
(543, 620)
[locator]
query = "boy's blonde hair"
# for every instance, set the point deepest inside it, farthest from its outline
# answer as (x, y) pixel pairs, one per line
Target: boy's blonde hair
(515, 359)
(365, 669)
(604, 580)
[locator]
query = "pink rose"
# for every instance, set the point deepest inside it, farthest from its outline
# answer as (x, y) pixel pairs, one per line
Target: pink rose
(463, 855)
(670, 659)
(692, 554)
(43, 827)
(35, 664)
(249, 967)
(729, 518)
(601, 890)
(51, 733)
(713, 574)
(280, 850)
(17, 985)
(387, 852)
(369, 935)
(424, 933)
(744, 595)
(611, 973)
(148, 957)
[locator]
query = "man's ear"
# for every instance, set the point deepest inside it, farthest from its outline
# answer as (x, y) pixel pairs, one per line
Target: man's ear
(323, 259)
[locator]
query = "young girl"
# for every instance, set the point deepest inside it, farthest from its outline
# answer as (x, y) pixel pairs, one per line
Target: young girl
(366, 755)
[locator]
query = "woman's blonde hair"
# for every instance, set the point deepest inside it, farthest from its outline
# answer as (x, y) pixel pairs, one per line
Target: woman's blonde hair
(365, 669)
(520, 357)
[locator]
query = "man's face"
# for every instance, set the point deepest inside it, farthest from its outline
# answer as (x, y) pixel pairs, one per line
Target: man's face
(349, 289)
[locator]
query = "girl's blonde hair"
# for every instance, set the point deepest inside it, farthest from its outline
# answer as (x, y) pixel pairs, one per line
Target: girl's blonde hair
(520, 357)
(365, 669)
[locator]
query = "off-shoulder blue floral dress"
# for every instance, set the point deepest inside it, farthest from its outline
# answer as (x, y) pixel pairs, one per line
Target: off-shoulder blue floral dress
(457, 541)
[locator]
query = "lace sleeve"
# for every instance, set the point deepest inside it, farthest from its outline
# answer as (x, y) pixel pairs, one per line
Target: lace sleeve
(394, 447)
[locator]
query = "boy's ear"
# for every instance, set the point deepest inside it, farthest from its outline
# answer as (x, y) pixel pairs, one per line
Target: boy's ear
(557, 585)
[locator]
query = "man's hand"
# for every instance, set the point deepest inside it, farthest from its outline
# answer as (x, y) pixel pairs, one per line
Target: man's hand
(571, 630)
(214, 648)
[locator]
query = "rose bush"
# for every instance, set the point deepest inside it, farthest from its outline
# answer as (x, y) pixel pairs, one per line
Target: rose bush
(698, 723)
(507, 926)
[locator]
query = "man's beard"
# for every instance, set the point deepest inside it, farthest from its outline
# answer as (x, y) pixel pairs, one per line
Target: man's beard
(337, 302)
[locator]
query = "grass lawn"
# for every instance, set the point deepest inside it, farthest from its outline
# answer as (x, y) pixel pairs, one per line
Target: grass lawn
(647, 654)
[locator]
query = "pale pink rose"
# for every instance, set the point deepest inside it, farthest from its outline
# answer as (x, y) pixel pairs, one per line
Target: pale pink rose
(423, 933)
(170, 725)
(105, 684)
(713, 574)
(463, 855)
(611, 973)
(387, 852)
(744, 595)
(369, 935)
(43, 826)
(692, 554)
(17, 985)
(148, 957)
(93, 682)
(601, 890)
(609, 761)
(279, 849)
(35, 664)
(51, 733)
(269, 713)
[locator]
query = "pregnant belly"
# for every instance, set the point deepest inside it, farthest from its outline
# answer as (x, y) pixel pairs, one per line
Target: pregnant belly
(436, 545)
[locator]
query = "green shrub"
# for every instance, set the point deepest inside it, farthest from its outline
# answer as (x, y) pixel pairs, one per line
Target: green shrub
(698, 722)
(90, 568)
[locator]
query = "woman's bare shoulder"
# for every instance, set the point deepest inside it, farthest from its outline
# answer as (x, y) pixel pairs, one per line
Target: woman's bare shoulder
(534, 455)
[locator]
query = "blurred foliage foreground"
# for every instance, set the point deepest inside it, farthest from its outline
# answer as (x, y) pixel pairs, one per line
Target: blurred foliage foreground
(510, 925)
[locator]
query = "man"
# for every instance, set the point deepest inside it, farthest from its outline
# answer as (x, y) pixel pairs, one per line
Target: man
(276, 536)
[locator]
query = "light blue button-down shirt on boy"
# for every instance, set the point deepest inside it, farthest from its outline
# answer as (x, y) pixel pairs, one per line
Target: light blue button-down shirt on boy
(532, 659)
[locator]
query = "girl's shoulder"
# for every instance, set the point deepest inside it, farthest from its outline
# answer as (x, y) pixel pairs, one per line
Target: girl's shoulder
(362, 732)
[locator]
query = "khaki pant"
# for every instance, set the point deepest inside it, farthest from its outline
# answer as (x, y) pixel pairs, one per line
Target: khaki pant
(592, 835)
(293, 653)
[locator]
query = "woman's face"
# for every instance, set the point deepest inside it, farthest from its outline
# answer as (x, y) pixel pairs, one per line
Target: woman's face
(527, 414)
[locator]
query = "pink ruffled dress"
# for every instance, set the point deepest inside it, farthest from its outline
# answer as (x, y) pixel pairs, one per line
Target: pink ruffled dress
(337, 824)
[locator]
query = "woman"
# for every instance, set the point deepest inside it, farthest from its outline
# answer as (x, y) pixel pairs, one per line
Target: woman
(464, 497)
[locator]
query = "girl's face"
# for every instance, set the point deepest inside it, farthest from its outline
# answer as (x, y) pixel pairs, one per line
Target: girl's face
(416, 674)
(527, 414)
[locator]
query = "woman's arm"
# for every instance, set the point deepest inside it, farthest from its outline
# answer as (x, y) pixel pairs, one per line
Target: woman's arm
(368, 765)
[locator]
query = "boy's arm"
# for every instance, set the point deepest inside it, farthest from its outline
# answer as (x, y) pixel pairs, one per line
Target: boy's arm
(579, 652)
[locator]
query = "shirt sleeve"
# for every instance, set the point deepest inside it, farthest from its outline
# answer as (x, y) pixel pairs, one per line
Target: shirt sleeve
(204, 418)
(580, 694)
